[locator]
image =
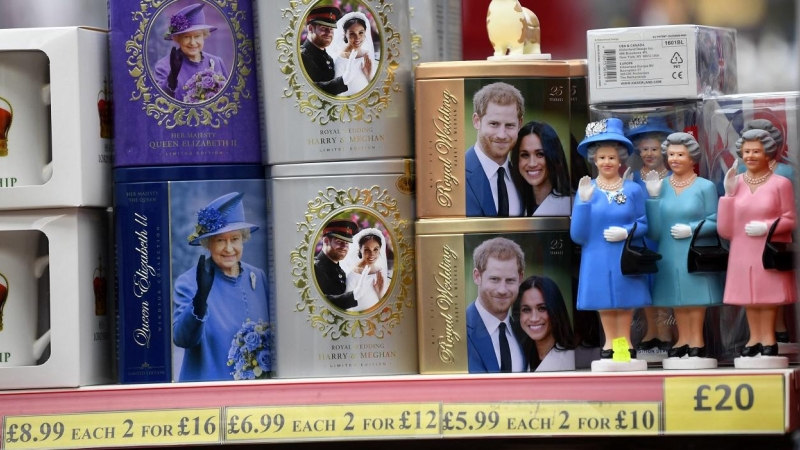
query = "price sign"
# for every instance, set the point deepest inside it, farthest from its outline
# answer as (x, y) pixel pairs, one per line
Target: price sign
(112, 429)
(546, 418)
(722, 404)
(300, 423)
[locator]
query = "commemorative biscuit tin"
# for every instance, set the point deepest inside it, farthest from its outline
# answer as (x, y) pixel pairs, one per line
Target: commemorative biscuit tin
(435, 30)
(343, 261)
(469, 115)
(470, 273)
(192, 264)
(184, 88)
(578, 118)
(335, 80)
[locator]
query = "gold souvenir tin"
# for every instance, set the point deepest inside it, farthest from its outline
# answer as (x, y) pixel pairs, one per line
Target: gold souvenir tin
(448, 285)
(578, 118)
(450, 182)
(330, 222)
(334, 80)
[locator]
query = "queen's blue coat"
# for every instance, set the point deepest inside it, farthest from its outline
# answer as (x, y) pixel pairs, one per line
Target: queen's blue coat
(601, 284)
(207, 340)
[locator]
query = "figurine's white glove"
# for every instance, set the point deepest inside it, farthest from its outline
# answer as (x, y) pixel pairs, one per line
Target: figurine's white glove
(680, 231)
(730, 179)
(628, 175)
(615, 234)
(351, 68)
(585, 188)
(653, 183)
(756, 228)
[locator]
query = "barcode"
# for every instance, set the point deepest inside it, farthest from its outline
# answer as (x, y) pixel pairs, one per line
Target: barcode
(610, 65)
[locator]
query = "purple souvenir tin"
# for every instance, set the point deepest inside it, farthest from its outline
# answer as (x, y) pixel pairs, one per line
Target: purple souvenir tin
(184, 82)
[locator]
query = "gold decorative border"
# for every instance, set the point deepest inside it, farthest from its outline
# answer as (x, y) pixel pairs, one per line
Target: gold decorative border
(332, 323)
(169, 112)
(320, 106)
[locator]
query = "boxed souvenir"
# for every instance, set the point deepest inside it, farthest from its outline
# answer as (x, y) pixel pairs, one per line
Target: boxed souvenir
(665, 62)
(192, 286)
(55, 146)
(53, 292)
(435, 30)
(469, 117)
(343, 261)
(335, 80)
(184, 82)
(470, 276)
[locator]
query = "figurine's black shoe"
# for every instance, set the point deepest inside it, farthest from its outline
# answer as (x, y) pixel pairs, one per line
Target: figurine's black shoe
(753, 350)
(697, 352)
(649, 345)
(769, 350)
(632, 352)
(678, 352)
(782, 336)
(606, 354)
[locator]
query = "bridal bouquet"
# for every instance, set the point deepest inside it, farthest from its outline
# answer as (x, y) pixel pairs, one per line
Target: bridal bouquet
(203, 86)
(250, 354)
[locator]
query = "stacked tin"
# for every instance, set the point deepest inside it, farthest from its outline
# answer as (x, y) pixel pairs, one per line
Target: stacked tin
(191, 226)
(335, 87)
(493, 172)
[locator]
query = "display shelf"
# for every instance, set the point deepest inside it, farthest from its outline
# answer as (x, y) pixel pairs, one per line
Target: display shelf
(724, 401)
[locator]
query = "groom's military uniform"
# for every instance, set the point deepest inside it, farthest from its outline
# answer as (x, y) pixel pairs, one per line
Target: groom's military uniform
(331, 279)
(317, 62)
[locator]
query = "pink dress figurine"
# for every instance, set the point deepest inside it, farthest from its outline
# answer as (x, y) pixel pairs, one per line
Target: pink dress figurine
(753, 201)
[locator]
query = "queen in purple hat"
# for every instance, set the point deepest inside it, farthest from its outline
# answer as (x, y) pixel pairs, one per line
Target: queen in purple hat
(214, 300)
(189, 74)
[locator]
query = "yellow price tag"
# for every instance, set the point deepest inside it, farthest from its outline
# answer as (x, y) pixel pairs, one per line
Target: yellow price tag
(621, 353)
(725, 403)
(550, 418)
(113, 429)
(300, 423)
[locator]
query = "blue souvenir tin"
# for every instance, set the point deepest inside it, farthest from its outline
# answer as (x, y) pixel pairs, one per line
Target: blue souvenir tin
(184, 82)
(192, 264)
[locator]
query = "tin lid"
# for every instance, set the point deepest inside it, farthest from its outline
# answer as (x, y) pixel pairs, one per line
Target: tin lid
(188, 173)
(490, 225)
(493, 69)
(339, 168)
(578, 67)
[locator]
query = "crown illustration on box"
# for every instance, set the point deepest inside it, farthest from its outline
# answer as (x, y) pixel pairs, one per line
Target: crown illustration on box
(3, 297)
(104, 104)
(6, 115)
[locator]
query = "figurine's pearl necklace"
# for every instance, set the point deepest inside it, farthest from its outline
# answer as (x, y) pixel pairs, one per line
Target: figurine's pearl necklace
(681, 184)
(756, 181)
(609, 187)
(661, 173)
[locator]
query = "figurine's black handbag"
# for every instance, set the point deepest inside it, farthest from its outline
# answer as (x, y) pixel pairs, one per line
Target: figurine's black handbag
(637, 260)
(777, 255)
(707, 258)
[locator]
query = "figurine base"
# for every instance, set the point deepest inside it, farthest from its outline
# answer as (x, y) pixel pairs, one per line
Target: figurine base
(609, 365)
(788, 348)
(651, 356)
(761, 362)
(688, 363)
(528, 57)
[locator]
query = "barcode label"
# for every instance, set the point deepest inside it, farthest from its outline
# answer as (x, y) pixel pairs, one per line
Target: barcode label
(610, 65)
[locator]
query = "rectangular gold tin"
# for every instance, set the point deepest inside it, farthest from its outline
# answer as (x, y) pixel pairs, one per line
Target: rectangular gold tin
(444, 127)
(445, 287)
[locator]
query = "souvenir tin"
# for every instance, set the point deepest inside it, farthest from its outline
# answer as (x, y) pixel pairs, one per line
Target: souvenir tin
(665, 62)
(169, 329)
(184, 82)
(452, 335)
(452, 180)
(318, 105)
(435, 30)
(578, 118)
(331, 221)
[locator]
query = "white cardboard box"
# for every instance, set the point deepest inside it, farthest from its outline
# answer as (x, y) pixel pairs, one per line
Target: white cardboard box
(81, 334)
(668, 62)
(81, 156)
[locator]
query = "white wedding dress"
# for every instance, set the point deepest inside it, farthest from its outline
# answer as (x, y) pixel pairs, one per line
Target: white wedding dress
(362, 284)
(366, 51)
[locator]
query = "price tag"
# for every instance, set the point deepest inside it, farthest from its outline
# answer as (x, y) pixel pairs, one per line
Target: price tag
(331, 421)
(546, 418)
(723, 404)
(113, 429)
